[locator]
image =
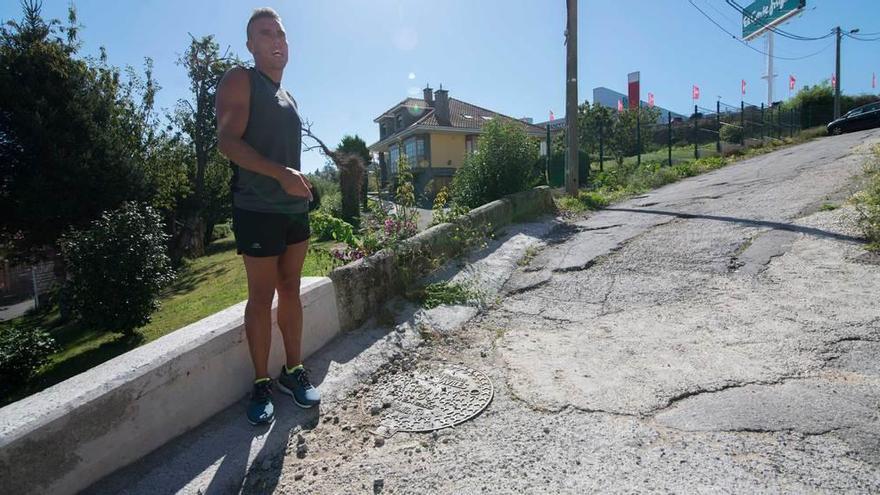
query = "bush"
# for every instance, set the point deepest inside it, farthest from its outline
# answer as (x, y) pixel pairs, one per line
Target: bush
(731, 134)
(22, 351)
(327, 228)
(117, 267)
(331, 204)
(867, 203)
(501, 165)
(221, 231)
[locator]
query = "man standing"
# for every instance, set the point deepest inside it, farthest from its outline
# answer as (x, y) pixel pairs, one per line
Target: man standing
(259, 130)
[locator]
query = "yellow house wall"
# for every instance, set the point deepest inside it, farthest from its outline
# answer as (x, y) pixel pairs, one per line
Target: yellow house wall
(445, 148)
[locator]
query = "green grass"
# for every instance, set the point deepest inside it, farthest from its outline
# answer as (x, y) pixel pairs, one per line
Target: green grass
(203, 287)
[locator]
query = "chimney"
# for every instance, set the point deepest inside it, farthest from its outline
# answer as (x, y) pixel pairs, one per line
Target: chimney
(429, 95)
(441, 105)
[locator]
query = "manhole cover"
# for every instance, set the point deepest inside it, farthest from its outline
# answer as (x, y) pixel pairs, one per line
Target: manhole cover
(430, 399)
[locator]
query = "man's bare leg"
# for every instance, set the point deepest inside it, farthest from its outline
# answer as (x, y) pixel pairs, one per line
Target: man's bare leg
(262, 277)
(290, 312)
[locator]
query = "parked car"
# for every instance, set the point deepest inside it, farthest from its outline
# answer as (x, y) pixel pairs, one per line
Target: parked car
(857, 119)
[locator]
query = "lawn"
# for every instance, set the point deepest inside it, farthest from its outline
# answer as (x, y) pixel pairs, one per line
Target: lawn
(203, 287)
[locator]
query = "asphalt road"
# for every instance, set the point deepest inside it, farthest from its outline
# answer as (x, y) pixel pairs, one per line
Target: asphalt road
(720, 334)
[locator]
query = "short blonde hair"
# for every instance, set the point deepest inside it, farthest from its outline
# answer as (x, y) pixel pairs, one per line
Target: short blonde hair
(259, 14)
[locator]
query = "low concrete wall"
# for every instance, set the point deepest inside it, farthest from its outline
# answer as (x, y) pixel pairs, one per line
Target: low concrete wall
(66, 437)
(362, 286)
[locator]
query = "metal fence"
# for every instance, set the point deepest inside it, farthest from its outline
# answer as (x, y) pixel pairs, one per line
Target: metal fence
(707, 132)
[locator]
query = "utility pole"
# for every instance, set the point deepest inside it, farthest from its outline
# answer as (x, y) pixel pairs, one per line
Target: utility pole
(571, 170)
(837, 75)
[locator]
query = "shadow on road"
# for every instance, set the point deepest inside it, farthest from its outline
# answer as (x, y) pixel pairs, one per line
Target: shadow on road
(754, 223)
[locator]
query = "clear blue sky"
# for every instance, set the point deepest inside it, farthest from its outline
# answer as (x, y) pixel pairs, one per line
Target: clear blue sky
(351, 60)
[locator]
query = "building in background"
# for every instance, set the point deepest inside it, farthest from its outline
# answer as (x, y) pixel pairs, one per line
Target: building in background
(436, 133)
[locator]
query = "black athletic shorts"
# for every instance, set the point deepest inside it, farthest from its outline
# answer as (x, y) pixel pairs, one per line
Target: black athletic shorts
(261, 234)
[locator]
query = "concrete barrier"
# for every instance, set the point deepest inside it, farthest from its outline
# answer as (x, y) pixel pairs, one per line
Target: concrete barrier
(362, 286)
(66, 437)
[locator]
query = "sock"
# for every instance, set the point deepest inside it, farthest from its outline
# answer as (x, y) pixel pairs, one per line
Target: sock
(259, 380)
(291, 370)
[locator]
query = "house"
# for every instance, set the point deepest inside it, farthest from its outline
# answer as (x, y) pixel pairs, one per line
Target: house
(436, 133)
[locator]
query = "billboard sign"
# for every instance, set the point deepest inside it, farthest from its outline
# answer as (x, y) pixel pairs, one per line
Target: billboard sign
(633, 89)
(764, 14)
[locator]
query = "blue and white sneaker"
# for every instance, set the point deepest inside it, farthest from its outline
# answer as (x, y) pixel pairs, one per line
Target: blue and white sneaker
(261, 410)
(297, 385)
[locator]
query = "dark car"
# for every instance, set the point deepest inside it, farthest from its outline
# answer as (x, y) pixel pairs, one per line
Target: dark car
(857, 119)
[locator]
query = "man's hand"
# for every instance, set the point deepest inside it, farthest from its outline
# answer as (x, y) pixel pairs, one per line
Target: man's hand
(295, 183)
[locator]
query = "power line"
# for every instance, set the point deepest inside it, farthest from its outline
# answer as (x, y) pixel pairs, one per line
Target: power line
(861, 38)
(750, 46)
(739, 8)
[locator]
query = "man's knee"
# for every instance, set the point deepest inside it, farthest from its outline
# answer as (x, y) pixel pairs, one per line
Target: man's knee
(289, 288)
(261, 298)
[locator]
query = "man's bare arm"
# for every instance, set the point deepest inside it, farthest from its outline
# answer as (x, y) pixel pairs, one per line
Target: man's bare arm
(233, 104)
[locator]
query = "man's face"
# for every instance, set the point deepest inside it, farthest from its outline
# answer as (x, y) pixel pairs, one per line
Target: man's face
(268, 43)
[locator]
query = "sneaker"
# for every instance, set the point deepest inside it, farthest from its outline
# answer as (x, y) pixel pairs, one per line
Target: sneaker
(297, 385)
(260, 410)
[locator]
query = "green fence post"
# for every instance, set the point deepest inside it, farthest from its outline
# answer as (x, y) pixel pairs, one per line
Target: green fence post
(696, 130)
(742, 122)
(669, 135)
(718, 125)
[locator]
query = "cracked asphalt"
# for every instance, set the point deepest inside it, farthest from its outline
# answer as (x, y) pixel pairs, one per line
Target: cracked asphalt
(720, 334)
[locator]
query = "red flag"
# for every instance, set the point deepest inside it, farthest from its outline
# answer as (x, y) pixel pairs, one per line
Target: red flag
(650, 100)
(551, 115)
(619, 105)
(833, 81)
(791, 81)
(873, 79)
(696, 92)
(743, 87)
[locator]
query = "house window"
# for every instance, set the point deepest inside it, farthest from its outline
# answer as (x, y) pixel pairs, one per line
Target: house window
(393, 157)
(399, 121)
(382, 131)
(470, 143)
(414, 148)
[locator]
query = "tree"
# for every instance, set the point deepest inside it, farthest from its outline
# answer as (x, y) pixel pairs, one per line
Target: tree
(351, 176)
(501, 165)
(71, 134)
(593, 120)
(623, 141)
(210, 201)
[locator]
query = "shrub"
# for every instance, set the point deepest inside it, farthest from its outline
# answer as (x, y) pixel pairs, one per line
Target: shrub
(501, 165)
(221, 231)
(867, 203)
(327, 228)
(23, 350)
(116, 268)
(443, 211)
(731, 134)
(331, 204)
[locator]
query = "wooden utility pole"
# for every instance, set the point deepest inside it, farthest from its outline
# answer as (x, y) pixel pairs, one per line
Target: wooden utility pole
(571, 169)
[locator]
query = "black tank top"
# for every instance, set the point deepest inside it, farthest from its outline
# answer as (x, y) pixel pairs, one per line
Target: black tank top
(274, 130)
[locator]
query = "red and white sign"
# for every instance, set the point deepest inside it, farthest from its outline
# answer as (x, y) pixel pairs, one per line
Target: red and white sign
(619, 105)
(791, 82)
(635, 94)
(551, 115)
(743, 87)
(650, 100)
(696, 92)
(833, 81)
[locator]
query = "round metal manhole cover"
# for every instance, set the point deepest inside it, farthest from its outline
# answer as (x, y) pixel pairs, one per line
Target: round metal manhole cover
(430, 399)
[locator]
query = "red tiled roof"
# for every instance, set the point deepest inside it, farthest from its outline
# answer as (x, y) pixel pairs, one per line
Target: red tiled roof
(465, 115)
